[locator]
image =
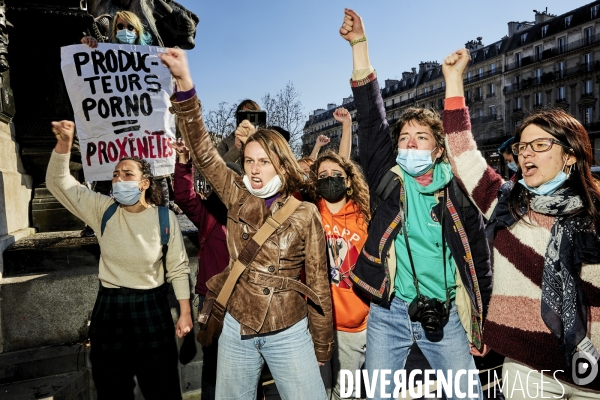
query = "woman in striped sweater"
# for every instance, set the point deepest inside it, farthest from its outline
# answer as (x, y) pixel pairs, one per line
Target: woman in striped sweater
(544, 314)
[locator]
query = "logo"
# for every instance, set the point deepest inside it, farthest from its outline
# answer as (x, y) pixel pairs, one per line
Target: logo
(584, 368)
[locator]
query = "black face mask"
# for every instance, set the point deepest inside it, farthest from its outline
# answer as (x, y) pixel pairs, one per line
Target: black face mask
(332, 188)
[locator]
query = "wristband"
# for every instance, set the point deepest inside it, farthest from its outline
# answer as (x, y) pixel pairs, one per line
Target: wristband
(362, 39)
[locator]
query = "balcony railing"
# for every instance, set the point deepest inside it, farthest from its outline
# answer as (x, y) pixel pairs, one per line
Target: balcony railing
(552, 76)
(479, 77)
(490, 95)
(555, 51)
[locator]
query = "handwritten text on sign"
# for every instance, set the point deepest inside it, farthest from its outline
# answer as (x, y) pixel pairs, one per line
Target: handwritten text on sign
(120, 97)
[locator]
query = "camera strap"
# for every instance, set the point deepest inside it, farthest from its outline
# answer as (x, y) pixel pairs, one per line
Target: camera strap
(412, 264)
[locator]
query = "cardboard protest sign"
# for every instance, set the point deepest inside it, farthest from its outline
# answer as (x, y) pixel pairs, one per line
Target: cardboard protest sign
(120, 97)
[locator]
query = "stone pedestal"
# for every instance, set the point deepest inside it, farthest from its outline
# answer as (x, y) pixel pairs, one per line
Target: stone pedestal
(15, 192)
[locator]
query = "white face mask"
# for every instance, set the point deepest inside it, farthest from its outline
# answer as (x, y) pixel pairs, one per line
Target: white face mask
(268, 190)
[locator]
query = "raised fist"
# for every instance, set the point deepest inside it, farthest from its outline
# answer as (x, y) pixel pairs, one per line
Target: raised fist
(322, 140)
(342, 115)
(63, 131)
(456, 63)
(352, 27)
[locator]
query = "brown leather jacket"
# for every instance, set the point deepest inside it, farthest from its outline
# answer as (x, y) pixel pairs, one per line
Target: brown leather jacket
(268, 296)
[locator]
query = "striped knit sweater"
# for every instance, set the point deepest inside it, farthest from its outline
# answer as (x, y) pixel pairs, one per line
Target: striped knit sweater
(514, 326)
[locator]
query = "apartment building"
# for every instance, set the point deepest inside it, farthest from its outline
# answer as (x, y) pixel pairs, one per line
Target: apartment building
(553, 61)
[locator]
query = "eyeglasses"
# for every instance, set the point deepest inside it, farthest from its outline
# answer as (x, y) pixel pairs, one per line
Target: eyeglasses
(128, 27)
(538, 145)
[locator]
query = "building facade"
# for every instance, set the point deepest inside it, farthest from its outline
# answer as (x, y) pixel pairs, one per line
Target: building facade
(553, 61)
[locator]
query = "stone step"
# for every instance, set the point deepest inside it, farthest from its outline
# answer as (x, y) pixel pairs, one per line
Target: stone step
(31, 364)
(70, 386)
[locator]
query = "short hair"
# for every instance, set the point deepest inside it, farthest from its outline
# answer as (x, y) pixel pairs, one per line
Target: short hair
(292, 176)
(423, 116)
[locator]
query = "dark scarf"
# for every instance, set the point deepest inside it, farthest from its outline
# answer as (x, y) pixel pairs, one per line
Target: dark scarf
(573, 242)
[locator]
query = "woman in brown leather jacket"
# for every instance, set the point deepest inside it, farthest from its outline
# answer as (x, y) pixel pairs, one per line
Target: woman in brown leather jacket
(266, 317)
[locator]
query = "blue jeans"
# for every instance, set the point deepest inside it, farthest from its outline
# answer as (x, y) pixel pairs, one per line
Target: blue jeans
(289, 353)
(391, 333)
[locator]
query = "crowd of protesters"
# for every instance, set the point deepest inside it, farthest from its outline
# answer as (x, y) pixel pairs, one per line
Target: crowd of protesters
(361, 261)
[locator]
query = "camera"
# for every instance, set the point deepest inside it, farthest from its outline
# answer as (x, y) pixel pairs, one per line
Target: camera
(431, 313)
(255, 117)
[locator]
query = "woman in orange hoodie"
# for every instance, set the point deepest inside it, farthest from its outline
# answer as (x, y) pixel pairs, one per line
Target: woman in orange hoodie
(342, 196)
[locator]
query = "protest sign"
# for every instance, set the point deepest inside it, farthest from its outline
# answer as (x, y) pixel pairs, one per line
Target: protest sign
(120, 98)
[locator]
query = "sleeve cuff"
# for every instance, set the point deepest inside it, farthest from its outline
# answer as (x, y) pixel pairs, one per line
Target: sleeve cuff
(361, 77)
(188, 94)
(454, 103)
(181, 287)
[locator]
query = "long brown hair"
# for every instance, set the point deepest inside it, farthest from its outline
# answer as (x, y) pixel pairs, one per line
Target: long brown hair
(565, 128)
(279, 152)
(358, 184)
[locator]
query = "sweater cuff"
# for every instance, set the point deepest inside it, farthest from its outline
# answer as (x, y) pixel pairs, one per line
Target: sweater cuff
(454, 103)
(363, 76)
(188, 94)
(181, 287)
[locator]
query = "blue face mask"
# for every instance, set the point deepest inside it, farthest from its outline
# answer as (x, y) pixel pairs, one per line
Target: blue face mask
(512, 166)
(549, 187)
(414, 162)
(126, 36)
(126, 192)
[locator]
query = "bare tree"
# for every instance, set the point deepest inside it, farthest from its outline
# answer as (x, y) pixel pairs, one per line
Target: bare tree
(221, 122)
(285, 110)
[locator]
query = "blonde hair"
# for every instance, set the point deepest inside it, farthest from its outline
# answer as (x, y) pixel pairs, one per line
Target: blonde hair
(132, 20)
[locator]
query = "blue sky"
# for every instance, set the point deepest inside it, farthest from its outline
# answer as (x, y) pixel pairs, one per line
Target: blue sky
(245, 49)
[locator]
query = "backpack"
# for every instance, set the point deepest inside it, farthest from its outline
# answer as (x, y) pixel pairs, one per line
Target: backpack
(163, 220)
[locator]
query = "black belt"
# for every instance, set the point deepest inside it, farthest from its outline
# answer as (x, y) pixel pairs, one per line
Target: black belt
(282, 283)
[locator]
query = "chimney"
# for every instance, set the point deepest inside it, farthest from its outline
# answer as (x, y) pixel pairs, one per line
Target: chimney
(542, 16)
(331, 106)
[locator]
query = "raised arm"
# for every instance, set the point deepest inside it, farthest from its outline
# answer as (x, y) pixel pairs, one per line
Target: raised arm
(376, 150)
(192, 128)
(343, 116)
(321, 141)
(479, 179)
(84, 203)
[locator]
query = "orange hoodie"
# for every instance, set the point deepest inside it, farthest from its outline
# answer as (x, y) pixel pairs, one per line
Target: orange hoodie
(345, 233)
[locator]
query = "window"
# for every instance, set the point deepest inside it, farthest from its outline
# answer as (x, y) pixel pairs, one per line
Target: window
(538, 53)
(467, 95)
(479, 113)
(588, 34)
(517, 60)
(594, 11)
(587, 115)
(537, 76)
(492, 68)
(517, 80)
(478, 93)
(492, 111)
(491, 90)
(588, 87)
(425, 90)
(568, 21)
(518, 104)
(523, 38)
(560, 69)
(537, 101)
(432, 88)
(480, 72)
(544, 30)
(498, 46)
(561, 44)
(587, 62)
(469, 76)
(561, 94)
